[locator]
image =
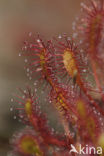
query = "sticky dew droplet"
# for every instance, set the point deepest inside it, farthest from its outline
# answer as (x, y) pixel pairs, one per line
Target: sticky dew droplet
(59, 36)
(11, 109)
(19, 54)
(26, 60)
(30, 34)
(14, 117)
(38, 40)
(11, 99)
(28, 69)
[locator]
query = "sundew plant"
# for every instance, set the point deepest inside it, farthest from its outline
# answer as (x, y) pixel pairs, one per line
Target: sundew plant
(73, 69)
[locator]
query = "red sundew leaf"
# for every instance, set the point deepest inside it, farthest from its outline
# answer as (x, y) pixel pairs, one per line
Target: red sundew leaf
(28, 143)
(90, 29)
(35, 118)
(39, 59)
(69, 60)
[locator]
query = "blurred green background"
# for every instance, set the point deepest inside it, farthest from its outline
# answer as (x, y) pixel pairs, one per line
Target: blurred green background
(18, 17)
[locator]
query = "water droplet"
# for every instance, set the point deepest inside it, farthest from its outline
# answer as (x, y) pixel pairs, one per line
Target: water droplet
(75, 35)
(28, 69)
(38, 69)
(72, 86)
(30, 78)
(24, 91)
(102, 123)
(82, 4)
(100, 119)
(26, 60)
(35, 90)
(69, 38)
(19, 54)
(11, 109)
(21, 116)
(99, 113)
(11, 100)
(60, 36)
(38, 40)
(57, 149)
(80, 41)
(14, 117)
(53, 130)
(35, 83)
(72, 134)
(30, 34)
(84, 70)
(23, 96)
(25, 47)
